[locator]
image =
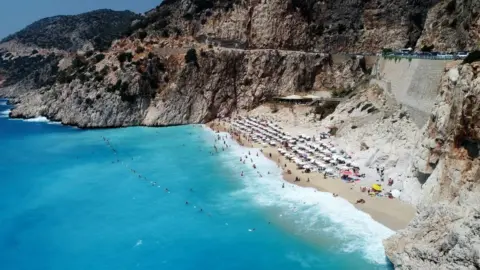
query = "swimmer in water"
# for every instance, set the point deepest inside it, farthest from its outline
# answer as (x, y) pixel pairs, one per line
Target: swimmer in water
(186, 202)
(283, 185)
(166, 190)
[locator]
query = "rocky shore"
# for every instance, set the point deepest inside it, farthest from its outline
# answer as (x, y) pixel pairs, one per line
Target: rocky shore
(446, 232)
(219, 83)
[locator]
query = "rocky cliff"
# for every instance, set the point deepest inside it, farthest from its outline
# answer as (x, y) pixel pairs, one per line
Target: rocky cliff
(310, 25)
(446, 232)
(193, 86)
(89, 31)
(30, 59)
(452, 25)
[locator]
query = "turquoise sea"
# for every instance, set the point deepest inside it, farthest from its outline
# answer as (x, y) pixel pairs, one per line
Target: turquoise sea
(98, 199)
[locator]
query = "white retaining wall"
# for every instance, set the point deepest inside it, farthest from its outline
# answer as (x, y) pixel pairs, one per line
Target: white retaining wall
(414, 84)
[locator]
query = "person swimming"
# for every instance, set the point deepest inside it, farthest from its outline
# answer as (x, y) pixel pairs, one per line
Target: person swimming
(186, 202)
(283, 185)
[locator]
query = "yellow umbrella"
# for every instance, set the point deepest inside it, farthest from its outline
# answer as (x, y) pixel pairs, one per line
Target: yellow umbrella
(377, 187)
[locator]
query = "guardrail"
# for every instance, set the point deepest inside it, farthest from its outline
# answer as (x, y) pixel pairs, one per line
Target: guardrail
(427, 57)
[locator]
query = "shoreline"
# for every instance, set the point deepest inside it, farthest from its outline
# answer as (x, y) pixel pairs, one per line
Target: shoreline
(392, 213)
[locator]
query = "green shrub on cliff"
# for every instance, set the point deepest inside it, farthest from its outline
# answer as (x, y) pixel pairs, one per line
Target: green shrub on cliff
(99, 57)
(125, 56)
(139, 49)
(472, 57)
(426, 48)
(191, 57)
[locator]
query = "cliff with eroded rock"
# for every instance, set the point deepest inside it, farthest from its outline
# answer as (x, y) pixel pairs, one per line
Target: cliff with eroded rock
(445, 234)
(148, 88)
(191, 61)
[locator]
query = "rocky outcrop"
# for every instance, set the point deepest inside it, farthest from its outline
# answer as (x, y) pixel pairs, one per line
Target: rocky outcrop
(92, 30)
(446, 232)
(31, 58)
(177, 90)
(452, 25)
(311, 25)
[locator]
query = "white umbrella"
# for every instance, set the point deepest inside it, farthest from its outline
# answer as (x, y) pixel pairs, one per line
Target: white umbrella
(395, 193)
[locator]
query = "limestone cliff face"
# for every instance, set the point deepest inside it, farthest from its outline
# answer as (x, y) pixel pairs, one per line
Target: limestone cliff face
(452, 25)
(217, 83)
(94, 30)
(31, 58)
(446, 232)
(312, 25)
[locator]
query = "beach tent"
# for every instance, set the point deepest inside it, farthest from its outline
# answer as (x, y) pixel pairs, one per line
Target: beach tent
(395, 193)
(377, 187)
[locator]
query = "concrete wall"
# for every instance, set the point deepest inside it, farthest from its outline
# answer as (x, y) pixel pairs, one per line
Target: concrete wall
(414, 84)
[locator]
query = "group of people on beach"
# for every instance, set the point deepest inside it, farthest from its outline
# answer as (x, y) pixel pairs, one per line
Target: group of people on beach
(245, 140)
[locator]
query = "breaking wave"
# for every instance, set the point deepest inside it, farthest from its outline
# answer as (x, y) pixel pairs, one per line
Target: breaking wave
(42, 119)
(312, 212)
(4, 114)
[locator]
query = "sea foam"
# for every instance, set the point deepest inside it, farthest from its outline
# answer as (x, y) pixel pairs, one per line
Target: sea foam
(310, 210)
(4, 114)
(41, 119)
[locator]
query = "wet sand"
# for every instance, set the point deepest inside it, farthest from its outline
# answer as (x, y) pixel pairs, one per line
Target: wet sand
(392, 213)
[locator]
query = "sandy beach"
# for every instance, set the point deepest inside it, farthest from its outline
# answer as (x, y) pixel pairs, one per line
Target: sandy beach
(392, 213)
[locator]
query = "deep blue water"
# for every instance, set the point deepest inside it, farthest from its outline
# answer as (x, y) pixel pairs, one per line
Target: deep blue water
(68, 201)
